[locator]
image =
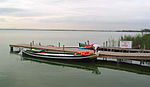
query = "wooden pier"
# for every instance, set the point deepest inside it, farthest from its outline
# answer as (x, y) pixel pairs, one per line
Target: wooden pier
(112, 54)
(125, 50)
(48, 48)
(121, 55)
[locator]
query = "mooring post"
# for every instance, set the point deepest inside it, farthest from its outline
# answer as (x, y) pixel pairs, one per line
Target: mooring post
(85, 43)
(58, 44)
(11, 48)
(106, 43)
(33, 42)
(88, 42)
(141, 62)
(118, 60)
(63, 47)
(31, 45)
(103, 44)
(39, 44)
(19, 49)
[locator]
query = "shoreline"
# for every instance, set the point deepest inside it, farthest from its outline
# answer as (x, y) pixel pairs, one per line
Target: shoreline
(86, 30)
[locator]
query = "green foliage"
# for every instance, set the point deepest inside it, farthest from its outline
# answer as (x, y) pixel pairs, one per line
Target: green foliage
(145, 30)
(144, 40)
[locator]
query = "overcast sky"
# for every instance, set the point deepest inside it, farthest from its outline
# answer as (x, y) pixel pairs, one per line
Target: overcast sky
(75, 14)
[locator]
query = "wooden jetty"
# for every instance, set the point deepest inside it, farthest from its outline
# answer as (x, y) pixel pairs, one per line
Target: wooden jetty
(125, 50)
(48, 48)
(119, 55)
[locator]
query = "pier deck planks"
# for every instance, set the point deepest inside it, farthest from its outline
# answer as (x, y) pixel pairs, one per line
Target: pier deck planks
(50, 48)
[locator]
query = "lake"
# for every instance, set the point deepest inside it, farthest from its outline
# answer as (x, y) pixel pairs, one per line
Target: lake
(18, 71)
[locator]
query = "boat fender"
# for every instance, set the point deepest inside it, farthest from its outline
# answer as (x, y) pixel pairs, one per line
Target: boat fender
(87, 53)
(86, 46)
(51, 45)
(78, 54)
(42, 51)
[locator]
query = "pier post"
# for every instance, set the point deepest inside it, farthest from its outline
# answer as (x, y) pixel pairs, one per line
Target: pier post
(88, 42)
(59, 44)
(11, 48)
(106, 43)
(85, 43)
(141, 62)
(39, 44)
(63, 47)
(118, 60)
(103, 44)
(19, 49)
(33, 42)
(30, 45)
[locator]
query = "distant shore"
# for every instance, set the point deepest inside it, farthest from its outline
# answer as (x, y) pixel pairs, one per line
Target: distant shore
(142, 30)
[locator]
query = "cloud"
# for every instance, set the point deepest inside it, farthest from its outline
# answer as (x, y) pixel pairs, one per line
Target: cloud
(2, 20)
(79, 12)
(7, 11)
(3, 1)
(17, 12)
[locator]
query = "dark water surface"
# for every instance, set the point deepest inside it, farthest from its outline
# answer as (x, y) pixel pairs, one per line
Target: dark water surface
(18, 71)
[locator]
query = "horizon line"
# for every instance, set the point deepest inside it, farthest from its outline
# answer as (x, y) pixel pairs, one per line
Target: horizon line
(25, 29)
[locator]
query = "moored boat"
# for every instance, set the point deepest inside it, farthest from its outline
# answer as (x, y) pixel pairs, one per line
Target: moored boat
(86, 47)
(59, 55)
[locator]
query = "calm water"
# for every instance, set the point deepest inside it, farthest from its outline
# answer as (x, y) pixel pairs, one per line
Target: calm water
(18, 71)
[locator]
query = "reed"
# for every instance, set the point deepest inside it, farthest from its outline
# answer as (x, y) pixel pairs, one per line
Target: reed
(143, 40)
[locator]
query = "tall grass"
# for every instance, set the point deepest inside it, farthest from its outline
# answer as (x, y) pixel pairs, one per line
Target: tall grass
(143, 40)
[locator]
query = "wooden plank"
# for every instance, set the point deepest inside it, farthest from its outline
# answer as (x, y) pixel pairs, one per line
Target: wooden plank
(50, 48)
(124, 49)
(120, 54)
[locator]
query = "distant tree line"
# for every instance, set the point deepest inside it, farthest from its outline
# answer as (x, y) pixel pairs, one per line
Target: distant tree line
(143, 30)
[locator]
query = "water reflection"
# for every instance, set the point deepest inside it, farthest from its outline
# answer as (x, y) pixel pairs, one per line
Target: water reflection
(125, 67)
(74, 64)
(94, 66)
(126, 60)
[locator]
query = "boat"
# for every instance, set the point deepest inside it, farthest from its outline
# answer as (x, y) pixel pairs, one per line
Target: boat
(86, 47)
(60, 55)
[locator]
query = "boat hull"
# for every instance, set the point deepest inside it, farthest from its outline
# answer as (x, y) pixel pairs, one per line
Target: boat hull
(59, 56)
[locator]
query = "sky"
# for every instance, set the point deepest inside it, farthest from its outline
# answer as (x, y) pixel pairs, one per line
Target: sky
(75, 14)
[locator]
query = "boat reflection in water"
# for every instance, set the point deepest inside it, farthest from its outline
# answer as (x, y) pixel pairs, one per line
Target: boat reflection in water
(87, 65)
(96, 65)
